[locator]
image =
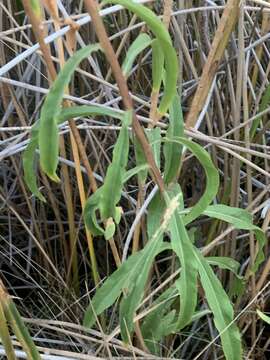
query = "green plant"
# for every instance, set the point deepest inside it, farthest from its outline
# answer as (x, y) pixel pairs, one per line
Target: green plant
(177, 305)
(10, 317)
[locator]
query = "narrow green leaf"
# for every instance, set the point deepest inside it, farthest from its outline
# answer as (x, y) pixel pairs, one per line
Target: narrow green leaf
(172, 151)
(240, 219)
(157, 65)
(108, 293)
(139, 44)
(162, 35)
(66, 114)
(264, 317)
(157, 323)
(5, 336)
(21, 331)
(187, 282)
(137, 169)
(140, 160)
(121, 280)
(155, 211)
(48, 137)
(263, 106)
(110, 229)
(224, 262)
(109, 194)
(212, 177)
(154, 138)
(30, 177)
(133, 297)
(222, 309)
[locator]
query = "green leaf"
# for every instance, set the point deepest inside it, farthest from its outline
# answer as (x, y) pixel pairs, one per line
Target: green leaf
(109, 194)
(5, 336)
(139, 44)
(136, 170)
(121, 280)
(110, 229)
(212, 177)
(162, 35)
(157, 65)
(48, 136)
(21, 331)
(157, 323)
(108, 293)
(66, 114)
(187, 282)
(134, 295)
(224, 262)
(240, 219)
(140, 161)
(264, 317)
(156, 209)
(30, 177)
(154, 138)
(222, 309)
(172, 151)
(263, 106)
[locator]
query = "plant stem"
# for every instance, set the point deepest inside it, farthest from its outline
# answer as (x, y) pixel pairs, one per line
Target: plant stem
(92, 8)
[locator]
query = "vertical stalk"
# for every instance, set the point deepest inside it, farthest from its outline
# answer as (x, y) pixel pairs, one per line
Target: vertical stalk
(92, 8)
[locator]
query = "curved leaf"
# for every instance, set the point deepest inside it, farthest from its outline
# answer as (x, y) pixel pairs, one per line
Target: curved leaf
(48, 137)
(222, 309)
(139, 44)
(187, 282)
(224, 262)
(172, 151)
(66, 114)
(264, 317)
(240, 219)
(162, 35)
(212, 177)
(157, 65)
(109, 193)
(121, 280)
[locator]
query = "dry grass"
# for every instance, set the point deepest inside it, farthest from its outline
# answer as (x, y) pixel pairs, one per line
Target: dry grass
(44, 260)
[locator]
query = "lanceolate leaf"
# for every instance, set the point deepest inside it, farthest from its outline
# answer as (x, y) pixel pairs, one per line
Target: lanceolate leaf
(133, 297)
(240, 219)
(172, 151)
(121, 280)
(157, 65)
(157, 323)
(108, 293)
(5, 336)
(66, 114)
(263, 106)
(155, 211)
(264, 317)
(154, 137)
(187, 282)
(162, 35)
(21, 331)
(222, 309)
(139, 44)
(130, 173)
(224, 263)
(48, 137)
(109, 194)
